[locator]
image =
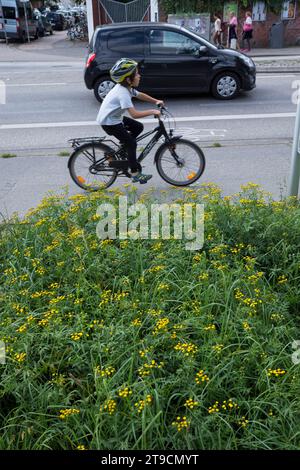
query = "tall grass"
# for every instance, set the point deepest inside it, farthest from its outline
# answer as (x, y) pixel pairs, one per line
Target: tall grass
(148, 345)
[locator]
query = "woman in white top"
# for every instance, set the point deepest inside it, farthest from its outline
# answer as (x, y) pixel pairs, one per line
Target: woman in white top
(218, 30)
(247, 31)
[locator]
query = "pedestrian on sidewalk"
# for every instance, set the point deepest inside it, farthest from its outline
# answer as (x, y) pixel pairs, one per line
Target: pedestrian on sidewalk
(247, 32)
(218, 29)
(232, 36)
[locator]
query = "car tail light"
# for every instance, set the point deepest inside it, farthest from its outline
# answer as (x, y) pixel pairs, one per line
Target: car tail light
(90, 59)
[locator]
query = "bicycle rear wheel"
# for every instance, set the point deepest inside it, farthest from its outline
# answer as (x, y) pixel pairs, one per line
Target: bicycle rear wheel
(180, 163)
(89, 168)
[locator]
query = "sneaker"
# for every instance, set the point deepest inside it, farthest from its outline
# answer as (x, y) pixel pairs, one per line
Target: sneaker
(140, 178)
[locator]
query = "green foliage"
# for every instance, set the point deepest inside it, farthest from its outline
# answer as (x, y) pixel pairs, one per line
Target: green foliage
(211, 6)
(109, 344)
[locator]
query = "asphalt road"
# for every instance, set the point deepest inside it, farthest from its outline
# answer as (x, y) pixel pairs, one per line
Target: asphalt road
(47, 104)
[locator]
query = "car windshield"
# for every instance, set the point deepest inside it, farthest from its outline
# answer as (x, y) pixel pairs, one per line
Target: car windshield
(205, 41)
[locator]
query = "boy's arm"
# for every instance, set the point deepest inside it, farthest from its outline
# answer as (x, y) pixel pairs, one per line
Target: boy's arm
(135, 114)
(148, 99)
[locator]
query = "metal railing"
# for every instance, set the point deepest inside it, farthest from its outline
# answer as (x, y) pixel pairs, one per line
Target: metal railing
(123, 12)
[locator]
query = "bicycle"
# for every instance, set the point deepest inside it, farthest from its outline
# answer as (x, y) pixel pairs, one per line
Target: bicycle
(78, 31)
(94, 165)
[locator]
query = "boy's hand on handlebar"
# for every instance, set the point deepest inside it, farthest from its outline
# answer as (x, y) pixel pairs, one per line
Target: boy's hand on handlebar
(156, 113)
(160, 103)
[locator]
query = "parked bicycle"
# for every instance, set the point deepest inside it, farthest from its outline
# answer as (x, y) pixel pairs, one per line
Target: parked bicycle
(97, 161)
(78, 31)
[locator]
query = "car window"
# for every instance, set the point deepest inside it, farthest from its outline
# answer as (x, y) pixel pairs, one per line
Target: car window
(9, 13)
(203, 41)
(164, 42)
(124, 41)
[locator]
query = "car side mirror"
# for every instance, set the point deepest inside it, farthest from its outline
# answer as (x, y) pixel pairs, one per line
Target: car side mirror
(203, 49)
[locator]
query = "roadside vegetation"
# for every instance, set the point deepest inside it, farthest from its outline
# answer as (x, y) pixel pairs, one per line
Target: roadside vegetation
(142, 344)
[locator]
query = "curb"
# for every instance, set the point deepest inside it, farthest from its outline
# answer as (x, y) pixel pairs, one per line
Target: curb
(277, 69)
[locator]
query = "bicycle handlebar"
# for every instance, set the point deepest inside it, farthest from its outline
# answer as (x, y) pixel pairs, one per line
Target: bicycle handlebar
(162, 108)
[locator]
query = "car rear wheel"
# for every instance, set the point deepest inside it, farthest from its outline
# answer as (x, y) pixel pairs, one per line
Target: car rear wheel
(226, 86)
(102, 86)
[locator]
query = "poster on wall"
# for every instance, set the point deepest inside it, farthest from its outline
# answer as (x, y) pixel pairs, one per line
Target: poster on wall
(259, 11)
(198, 23)
(228, 8)
(288, 11)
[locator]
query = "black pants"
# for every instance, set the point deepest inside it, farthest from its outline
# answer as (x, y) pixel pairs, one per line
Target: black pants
(127, 133)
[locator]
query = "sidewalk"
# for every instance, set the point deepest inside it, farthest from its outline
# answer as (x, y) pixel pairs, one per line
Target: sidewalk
(58, 48)
(55, 48)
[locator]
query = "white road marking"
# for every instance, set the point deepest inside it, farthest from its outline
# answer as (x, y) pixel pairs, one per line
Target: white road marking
(224, 117)
(34, 84)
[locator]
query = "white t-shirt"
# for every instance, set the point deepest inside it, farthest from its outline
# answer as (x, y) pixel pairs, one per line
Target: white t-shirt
(218, 25)
(115, 104)
(248, 20)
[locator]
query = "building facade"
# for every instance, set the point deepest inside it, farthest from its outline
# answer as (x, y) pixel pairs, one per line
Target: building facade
(263, 20)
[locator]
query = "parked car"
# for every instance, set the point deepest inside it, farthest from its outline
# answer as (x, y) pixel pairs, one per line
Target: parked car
(13, 20)
(57, 20)
(173, 60)
(46, 26)
(68, 16)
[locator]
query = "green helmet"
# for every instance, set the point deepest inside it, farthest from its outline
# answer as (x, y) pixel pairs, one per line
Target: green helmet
(122, 69)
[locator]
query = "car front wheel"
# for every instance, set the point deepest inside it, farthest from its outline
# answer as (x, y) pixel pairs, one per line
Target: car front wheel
(102, 86)
(226, 86)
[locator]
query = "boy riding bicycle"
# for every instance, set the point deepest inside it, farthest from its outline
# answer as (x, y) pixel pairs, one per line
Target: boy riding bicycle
(117, 101)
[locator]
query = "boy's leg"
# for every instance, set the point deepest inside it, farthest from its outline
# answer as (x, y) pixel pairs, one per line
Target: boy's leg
(135, 127)
(128, 141)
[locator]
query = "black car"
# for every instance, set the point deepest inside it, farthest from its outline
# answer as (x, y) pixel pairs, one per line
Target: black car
(44, 25)
(172, 60)
(57, 20)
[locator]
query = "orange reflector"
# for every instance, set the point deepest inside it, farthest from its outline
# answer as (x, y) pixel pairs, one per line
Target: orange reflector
(191, 175)
(81, 179)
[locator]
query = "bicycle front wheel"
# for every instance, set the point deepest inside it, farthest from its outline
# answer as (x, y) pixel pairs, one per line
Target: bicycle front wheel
(180, 163)
(89, 167)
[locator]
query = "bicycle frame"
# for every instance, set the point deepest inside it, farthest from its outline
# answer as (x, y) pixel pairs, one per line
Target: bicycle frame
(159, 131)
